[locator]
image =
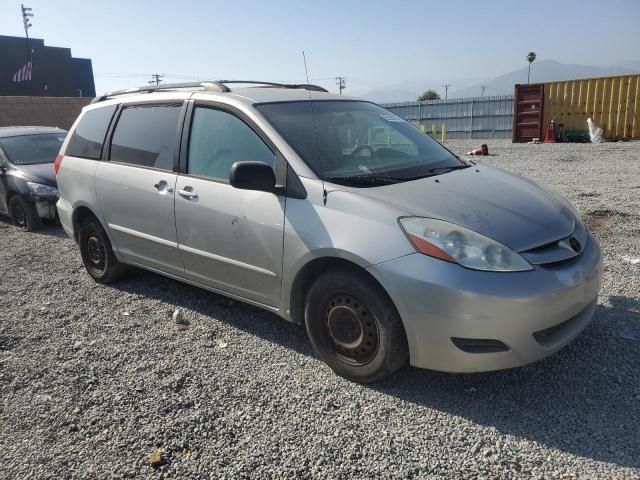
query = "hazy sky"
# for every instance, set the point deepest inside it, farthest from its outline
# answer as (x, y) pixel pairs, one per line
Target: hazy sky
(375, 44)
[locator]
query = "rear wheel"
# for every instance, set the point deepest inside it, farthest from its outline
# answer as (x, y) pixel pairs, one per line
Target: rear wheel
(24, 214)
(354, 326)
(97, 254)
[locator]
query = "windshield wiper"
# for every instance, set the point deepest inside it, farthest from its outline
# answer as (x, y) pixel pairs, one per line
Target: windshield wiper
(366, 179)
(448, 169)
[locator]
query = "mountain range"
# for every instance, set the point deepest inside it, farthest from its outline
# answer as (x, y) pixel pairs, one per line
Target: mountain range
(541, 71)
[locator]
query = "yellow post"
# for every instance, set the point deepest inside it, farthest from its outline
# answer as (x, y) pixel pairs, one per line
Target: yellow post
(434, 134)
(423, 129)
(444, 132)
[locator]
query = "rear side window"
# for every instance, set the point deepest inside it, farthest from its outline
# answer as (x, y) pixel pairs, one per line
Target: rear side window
(146, 135)
(87, 139)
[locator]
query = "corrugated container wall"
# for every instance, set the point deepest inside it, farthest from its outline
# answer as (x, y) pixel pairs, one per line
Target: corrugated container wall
(612, 102)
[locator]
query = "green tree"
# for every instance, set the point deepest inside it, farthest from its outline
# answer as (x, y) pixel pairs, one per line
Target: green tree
(429, 95)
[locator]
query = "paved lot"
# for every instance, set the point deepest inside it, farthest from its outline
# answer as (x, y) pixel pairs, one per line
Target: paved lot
(94, 378)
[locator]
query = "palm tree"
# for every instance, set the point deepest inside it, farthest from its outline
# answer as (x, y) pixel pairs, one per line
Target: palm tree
(531, 57)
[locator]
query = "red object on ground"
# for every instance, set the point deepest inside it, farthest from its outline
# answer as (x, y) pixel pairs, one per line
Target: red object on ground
(550, 137)
(483, 150)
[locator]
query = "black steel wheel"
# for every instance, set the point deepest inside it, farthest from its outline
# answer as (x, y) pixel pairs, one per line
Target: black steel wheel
(352, 329)
(354, 326)
(97, 254)
(24, 214)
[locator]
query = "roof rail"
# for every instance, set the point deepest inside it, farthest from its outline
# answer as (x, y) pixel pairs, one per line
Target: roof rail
(208, 85)
(304, 86)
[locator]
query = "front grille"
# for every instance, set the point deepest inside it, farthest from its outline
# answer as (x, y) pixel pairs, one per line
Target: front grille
(546, 337)
(559, 252)
(553, 335)
(479, 345)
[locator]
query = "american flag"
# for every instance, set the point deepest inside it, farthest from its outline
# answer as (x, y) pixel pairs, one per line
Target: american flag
(24, 73)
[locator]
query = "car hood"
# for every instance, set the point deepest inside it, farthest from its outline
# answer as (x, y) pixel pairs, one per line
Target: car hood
(41, 173)
(503, 206)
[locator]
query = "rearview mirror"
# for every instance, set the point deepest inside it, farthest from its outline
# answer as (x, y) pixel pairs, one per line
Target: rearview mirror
(253, 176)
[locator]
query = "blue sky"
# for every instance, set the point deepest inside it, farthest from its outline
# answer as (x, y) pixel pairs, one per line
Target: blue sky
(375, 44)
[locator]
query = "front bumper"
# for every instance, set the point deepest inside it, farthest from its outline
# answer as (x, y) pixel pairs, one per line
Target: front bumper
(438, 301)
(46, 206)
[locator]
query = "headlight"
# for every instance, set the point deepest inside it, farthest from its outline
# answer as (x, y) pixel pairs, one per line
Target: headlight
(454, 243)
(40, 190)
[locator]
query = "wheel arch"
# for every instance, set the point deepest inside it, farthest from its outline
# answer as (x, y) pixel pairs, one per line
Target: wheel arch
(79, 214)
(309, 272)
(10, 194)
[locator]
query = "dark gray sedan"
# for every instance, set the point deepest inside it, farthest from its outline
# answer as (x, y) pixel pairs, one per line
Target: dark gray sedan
(28, 191)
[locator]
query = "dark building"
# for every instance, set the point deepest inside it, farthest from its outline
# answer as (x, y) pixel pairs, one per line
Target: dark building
(54, 72)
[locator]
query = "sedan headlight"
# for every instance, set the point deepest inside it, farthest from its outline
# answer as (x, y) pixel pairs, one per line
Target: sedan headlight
(453, 243)
(40, 190)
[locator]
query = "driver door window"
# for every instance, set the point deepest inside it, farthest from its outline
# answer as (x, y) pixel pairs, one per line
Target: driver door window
(219, 139)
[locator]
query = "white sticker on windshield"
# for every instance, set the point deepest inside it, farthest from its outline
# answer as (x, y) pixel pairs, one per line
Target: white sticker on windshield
(61, 139)
(390, 117)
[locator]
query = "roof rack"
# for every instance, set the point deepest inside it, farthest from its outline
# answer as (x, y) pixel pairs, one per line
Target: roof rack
(208, 85)
(302, 86)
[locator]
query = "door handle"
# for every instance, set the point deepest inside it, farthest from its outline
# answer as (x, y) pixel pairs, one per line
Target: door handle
(187, 194)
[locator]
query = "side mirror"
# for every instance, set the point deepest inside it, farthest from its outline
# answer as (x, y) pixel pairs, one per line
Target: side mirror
(253, 176)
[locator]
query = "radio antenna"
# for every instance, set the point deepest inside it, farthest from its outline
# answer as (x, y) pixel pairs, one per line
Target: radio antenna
(315, 132)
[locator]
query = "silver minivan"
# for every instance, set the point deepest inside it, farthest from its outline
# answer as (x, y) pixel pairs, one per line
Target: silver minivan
(333, 213)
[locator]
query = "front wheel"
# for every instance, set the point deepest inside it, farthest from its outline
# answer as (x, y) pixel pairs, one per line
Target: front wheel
(354, 326)
(97, 254)
(24, 214)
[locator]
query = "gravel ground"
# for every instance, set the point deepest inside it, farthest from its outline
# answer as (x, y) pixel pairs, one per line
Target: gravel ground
(94, 379)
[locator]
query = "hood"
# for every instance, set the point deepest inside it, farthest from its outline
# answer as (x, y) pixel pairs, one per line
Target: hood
(505, 207)
(41, 173)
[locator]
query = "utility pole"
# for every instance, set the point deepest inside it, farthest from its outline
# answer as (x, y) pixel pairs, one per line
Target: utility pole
(446, 89)
(483, 89)
(26, 20)
(341, 82)
(156, 78)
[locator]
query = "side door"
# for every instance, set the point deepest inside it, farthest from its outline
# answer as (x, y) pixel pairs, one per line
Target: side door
(135, 186)
(230, 239)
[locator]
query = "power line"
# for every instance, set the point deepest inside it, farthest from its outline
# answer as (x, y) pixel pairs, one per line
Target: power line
(341, 82)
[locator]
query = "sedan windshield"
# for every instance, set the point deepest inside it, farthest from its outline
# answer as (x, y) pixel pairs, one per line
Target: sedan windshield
(32, 149)
(358, 143)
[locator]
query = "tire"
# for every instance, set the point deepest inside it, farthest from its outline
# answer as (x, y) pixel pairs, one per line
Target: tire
(24, 214)
(97, 254)
(354, 327)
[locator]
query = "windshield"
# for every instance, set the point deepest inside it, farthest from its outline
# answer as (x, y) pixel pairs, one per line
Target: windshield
(358, 143)
(32, 149)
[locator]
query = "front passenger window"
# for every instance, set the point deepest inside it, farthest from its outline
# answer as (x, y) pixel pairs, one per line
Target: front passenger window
(218, 139)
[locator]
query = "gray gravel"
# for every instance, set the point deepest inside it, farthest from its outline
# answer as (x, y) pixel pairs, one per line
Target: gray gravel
(94, 379)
